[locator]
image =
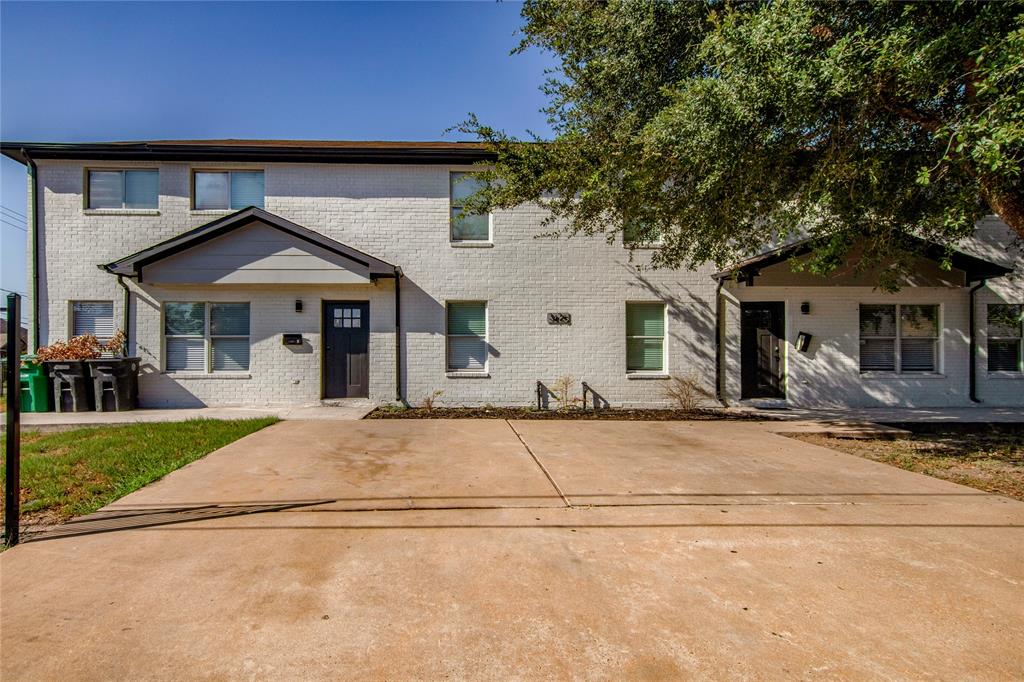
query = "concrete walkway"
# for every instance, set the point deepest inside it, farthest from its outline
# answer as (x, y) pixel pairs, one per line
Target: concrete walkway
(858, 415)
(848, 422)
(339, 410)
(524, 550)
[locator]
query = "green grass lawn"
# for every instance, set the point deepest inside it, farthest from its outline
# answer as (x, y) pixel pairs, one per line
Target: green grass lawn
(71, 473)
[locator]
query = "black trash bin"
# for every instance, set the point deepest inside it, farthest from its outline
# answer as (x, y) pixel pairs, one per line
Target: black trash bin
(115, 383)
(72, 386)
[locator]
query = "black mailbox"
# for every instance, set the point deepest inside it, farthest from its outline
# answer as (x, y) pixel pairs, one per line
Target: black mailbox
(291, 340)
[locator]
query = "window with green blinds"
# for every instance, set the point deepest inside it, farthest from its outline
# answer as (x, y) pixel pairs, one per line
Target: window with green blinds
(467, 336)
(645, 337)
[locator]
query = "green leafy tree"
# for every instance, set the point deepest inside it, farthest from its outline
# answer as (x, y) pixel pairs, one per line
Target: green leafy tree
(724, 127)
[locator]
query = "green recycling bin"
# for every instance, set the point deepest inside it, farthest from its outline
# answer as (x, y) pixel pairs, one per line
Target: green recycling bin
(35, 386)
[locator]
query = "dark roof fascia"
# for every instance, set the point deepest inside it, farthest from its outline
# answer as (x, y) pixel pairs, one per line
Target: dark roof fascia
(142, 151)
(132, 265)
(975, 268)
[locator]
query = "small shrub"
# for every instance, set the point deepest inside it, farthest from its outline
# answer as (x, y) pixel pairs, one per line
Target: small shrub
(562, 388)
(428, 401)
(687, 392)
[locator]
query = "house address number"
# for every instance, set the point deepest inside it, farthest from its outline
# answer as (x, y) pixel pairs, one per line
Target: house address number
(559, 318)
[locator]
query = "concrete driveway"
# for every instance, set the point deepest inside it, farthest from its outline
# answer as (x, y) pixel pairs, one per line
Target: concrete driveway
(524, 550)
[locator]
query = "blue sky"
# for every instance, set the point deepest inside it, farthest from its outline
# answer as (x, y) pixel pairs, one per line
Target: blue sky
(72, 72)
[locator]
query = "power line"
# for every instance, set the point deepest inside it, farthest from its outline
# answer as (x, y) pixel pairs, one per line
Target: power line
(16, 213)
(9, 224)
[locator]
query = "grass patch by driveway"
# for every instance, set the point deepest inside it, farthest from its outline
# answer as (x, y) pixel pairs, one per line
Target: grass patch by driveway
(988, 457)
(71, 473)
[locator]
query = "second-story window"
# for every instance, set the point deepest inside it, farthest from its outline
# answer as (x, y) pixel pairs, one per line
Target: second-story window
(227, 190)
(467, 227)
(123, 188)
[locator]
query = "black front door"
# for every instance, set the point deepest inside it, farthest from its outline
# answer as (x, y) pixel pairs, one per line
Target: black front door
(761, 333)
(346, 339)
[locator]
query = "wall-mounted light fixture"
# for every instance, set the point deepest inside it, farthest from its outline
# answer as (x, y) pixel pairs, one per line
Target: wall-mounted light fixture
(805, 308)
(803, 341)
(298, 305)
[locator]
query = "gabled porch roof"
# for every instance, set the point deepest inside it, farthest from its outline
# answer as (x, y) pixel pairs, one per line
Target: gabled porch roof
(133, 265)
(974, 267)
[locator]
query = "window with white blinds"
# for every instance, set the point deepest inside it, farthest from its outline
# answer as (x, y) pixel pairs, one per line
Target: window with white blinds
(1005, 334)
(206, 337)
(123, 189)
(227, 190)
(899, 338)
(467, 336)
(93, 317)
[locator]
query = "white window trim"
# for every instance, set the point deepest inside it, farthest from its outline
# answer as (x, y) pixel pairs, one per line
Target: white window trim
(1005, 373)
(220, 211)
(466, 243)
(485, 371)
(897, 346)
(208, 338)
(648, 373)
(122, 209)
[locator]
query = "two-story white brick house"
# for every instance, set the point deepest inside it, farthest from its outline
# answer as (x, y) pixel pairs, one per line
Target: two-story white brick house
(280, 272)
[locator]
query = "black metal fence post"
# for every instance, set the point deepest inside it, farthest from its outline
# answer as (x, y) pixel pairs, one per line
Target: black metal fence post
(12, 479)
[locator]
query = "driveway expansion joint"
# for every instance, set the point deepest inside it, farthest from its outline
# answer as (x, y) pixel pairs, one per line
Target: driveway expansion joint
(547, 474)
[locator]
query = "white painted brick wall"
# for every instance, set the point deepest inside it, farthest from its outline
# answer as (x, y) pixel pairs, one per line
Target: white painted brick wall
(400, 213)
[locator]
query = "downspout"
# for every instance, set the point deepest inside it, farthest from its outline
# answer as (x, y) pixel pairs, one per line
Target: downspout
(33, 184)
(719, 365)
(972, 323)
(398, 335)
(126, 302)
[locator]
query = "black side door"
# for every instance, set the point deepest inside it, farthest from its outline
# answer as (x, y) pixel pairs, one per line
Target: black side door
(762, 328)
(346, 340)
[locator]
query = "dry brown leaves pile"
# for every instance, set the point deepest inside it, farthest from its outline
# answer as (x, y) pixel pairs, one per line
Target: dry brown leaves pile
(84, 347)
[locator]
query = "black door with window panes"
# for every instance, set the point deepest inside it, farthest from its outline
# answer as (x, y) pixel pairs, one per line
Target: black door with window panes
(346, 339)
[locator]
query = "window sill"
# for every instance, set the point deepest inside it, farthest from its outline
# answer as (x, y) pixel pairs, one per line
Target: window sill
(210, 211)
(1006, 375)
(902, 375)
(121, 211)
(472, 245)
(647, 375)
(211, 375)
(468, 375)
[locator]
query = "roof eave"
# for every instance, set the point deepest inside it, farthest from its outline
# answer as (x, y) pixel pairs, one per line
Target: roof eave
(239, 153)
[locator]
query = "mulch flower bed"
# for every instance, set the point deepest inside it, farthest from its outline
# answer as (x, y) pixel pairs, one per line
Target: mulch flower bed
(653, 415)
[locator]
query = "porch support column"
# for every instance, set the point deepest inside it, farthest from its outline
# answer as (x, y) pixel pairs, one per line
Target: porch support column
(398, 335)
